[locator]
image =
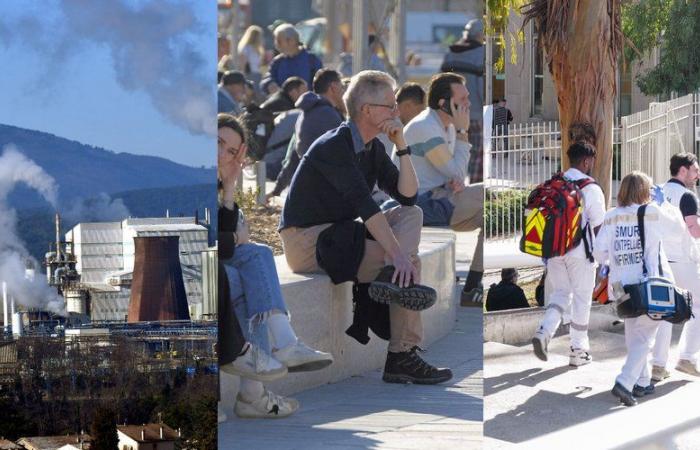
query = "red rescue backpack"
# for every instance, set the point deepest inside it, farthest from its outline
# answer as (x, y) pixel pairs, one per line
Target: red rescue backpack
(553, 218)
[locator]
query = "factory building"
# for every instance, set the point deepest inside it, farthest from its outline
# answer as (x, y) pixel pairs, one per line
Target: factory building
(105, 255)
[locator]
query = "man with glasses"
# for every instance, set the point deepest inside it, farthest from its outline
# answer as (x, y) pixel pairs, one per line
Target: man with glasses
(332, 187)
(439, 141)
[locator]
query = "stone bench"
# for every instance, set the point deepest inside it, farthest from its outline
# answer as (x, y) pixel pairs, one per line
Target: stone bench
(321, 312)
(517, 326)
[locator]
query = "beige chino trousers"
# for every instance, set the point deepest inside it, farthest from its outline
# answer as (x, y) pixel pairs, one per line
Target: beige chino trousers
(405, 222)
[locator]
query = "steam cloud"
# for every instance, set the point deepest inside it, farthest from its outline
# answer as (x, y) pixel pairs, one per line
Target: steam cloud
(99, 209)
(150, 47)
(33, 293)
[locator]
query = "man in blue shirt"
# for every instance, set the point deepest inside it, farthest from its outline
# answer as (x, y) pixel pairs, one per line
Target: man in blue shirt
(293, 60)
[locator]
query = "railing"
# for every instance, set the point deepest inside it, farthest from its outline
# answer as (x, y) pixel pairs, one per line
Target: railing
(651, 137)
(525, 155)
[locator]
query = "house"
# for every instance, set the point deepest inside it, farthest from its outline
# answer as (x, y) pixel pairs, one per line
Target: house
(67, 442)
(8, 445)
(150, 436)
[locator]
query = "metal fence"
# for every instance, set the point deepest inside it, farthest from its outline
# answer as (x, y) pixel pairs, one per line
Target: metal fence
(651, 137)
(524, 155)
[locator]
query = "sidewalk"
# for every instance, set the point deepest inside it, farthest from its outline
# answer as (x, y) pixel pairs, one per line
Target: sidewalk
(365, 412)
(541, 405)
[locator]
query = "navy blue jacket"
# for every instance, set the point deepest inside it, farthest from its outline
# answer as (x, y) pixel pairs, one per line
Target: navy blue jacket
(334, 183)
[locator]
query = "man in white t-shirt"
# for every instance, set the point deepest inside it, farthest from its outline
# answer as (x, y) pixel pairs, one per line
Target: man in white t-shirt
(573, 275)
(683, 258)
(439, 142)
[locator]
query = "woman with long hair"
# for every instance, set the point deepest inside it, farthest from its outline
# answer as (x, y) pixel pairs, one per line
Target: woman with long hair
(251, 52)
(254, 290)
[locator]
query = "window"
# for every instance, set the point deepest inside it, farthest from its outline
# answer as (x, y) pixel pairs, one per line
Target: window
(537, 74)
(498, 80)
(625, 83)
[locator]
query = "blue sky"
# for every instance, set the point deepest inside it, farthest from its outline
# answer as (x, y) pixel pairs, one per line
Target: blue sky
(134, 76)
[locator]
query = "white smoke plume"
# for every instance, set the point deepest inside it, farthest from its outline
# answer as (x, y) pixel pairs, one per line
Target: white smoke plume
(15, 168)
(99, 209)
(150, 46)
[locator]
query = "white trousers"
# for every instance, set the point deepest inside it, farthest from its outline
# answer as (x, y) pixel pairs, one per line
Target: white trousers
(571, 280)
(640, 333)
(687, 276)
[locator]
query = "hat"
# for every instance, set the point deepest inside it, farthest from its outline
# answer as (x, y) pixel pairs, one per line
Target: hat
(233, 77)
(473, 37)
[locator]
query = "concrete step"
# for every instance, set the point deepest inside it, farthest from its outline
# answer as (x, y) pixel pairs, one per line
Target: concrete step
(534, 404)
(321, 312)
(364, 412)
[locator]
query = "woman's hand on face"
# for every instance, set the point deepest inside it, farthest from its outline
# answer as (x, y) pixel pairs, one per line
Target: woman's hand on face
(231, 165)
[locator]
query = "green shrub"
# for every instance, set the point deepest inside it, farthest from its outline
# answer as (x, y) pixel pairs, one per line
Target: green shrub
(503, 210)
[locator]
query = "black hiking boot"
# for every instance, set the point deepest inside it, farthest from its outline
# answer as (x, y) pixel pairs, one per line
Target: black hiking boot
(409, 367)
(416, 297)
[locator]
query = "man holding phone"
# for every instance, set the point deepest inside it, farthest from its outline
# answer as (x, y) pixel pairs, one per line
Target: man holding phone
(439, 142)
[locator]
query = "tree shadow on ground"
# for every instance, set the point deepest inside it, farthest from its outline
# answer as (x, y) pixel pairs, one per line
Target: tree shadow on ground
(528, 377)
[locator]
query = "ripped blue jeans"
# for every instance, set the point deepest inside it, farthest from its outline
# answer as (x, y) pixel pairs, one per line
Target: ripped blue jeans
(255, 291)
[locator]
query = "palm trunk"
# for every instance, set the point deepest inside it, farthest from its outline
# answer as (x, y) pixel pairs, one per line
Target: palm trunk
(581, 39)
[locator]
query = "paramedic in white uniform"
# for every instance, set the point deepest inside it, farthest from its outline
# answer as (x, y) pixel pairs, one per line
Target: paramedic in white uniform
(618, 244)
(574, 274)
(683, 258)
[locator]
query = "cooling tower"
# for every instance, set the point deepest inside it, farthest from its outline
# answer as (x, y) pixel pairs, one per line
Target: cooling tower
(157, 289)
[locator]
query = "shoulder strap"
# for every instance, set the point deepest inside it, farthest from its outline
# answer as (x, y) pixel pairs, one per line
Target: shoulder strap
(583, 182)
(640, 224)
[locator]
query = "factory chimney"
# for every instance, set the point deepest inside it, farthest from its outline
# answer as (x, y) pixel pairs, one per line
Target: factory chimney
(58, 237)
(157, 289)
(5, 306)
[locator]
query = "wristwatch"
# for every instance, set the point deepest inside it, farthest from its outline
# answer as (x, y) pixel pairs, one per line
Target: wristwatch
(406, 151)
(462, 131)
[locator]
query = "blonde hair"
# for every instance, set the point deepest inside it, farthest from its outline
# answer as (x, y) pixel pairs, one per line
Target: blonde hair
(634, 189)
(253, 36)
(364, 87)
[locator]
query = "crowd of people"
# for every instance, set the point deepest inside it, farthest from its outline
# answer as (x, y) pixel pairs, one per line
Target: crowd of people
(366, 164)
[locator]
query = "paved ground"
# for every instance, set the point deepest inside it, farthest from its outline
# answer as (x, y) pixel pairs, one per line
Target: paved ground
(364, 412)
(533, 404)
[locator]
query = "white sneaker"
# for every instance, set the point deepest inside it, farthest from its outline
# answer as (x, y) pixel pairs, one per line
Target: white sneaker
(269, 406)
(301, 358)
(688, 367)
(255, 364)
(579, 357)
(659, 373)
(539, 344)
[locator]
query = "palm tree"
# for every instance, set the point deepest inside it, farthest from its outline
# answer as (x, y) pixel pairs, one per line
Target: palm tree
(582, 39)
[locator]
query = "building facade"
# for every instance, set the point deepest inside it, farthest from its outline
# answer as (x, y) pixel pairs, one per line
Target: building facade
(528, 86)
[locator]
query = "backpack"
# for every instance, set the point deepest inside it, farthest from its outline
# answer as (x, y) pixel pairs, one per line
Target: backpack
(553, 218)
(258, 124)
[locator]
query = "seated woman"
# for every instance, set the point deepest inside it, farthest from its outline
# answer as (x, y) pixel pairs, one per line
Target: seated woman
(255, 291)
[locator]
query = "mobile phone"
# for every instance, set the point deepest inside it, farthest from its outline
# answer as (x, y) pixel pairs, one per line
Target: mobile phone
(447, 105)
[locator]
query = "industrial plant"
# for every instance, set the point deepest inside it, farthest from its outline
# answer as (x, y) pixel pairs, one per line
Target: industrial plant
(133, 271)
(151, 281)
